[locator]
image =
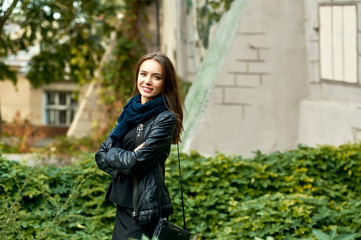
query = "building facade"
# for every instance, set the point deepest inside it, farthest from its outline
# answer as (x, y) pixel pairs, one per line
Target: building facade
(290, 75)
(275, 74)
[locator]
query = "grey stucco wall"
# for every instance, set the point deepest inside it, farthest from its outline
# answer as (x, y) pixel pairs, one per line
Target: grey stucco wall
(254, 104)
(331, 112)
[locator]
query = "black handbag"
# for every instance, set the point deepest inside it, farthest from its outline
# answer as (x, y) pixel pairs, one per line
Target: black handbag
(166, 230)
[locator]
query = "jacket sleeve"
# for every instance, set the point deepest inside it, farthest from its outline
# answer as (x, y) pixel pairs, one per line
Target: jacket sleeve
(157, 142)
(100, 158)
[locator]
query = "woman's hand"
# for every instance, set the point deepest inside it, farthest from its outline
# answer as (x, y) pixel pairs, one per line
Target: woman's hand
(139, 147)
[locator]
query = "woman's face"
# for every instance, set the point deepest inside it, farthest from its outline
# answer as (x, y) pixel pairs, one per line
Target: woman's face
(150, 80)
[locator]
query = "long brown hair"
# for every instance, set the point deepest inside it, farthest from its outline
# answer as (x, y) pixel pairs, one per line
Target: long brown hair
(170, 92)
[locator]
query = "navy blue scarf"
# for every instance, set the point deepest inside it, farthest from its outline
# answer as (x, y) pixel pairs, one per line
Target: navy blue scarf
(134, 113)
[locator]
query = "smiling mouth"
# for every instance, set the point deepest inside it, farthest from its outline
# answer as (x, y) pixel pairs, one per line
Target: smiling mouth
(147, 90)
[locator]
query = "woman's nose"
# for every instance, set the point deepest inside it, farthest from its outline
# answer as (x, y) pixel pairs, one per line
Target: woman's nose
(148, 80)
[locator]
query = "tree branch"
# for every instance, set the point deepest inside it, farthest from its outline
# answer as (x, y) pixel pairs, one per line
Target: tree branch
(7, 15)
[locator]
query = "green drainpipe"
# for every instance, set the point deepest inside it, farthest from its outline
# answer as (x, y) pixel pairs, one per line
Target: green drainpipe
(211, 65)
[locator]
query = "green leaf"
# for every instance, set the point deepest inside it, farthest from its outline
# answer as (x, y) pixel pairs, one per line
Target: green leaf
(345, 237)
(320, 235)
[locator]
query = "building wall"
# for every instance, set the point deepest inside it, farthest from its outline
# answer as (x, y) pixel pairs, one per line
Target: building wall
(268, 94)
(90, 114)
(179, 37)
(330, 114)
(29, 101)
(254, 104)
(37, 99)
(15, 99)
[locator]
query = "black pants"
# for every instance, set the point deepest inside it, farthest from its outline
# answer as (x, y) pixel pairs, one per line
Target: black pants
(125, 227)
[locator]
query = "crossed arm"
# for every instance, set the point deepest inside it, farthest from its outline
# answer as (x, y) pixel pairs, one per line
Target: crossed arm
(113, 159)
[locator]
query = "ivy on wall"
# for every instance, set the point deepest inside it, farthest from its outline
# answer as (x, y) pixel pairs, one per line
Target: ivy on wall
(208, 12)
(128, 47)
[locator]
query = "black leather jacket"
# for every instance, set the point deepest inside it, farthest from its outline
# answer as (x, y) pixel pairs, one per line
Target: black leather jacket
(146, 165)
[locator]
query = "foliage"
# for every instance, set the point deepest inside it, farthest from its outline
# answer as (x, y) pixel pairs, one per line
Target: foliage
(184, 87)
(208, 13)
(72, 36)
(54, 203)
(69, 146)
(8, 148)
(299, 194)
(69, 34)
(23, 135)
(281, 195)
(128, 47)
(323, 236)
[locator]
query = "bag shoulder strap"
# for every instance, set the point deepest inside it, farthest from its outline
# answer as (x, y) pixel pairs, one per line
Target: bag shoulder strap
(180, 183)
(181, 188)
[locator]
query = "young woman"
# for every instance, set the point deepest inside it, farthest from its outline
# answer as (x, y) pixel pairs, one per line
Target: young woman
(136, 149)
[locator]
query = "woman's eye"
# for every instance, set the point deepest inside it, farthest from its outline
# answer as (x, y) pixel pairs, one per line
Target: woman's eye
(142, 74)
(158, 77)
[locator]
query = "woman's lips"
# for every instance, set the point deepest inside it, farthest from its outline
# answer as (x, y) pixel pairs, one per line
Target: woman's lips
(147, 90)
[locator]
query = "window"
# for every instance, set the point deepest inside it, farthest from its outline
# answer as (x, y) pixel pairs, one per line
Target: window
(338, 43)
(60, 108)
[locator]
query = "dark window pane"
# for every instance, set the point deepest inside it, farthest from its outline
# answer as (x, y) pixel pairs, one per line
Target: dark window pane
(62, 117)
(50, 98)
(60, 108)
(62, 98)
(50, 117)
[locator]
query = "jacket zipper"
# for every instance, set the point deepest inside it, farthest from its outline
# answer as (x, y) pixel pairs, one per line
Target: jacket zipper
(135, 179)
(135, 186)
(139, 130)
(118, 179)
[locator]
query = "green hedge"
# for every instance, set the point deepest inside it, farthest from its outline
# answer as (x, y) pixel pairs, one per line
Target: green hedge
(276, 196)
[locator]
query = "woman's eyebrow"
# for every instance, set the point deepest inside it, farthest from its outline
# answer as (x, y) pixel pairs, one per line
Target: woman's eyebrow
(145, 71)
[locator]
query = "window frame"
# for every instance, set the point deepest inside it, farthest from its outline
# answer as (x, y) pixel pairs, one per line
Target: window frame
(358, 54)
(70, 108)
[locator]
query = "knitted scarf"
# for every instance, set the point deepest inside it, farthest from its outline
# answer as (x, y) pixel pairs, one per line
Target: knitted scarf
(134, 113)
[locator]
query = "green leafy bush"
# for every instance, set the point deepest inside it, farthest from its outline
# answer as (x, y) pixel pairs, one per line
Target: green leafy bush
(54, 203)
(289, 195)
(279, 196)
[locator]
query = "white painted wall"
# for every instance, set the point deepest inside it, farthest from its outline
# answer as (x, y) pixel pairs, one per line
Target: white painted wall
(329, 122)
(254, 104)
(331, 112)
